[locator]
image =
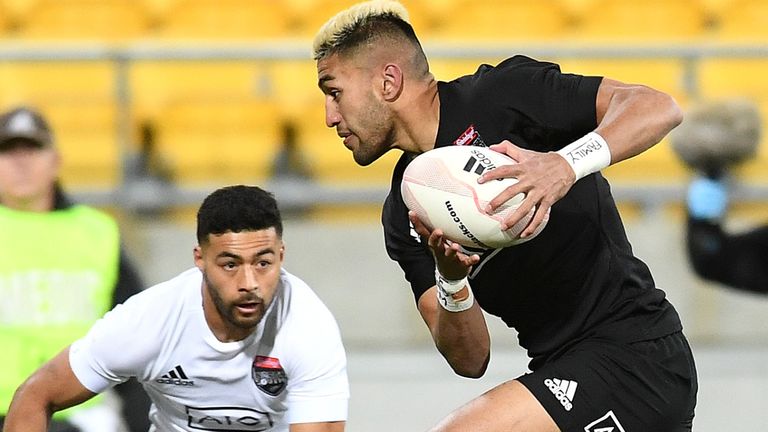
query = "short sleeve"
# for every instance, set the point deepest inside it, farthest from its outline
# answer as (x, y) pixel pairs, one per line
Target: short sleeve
(116, 348)
(318, 389)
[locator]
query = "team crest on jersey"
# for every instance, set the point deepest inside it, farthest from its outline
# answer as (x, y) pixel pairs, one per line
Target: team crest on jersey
(268, 375)
(470, 137)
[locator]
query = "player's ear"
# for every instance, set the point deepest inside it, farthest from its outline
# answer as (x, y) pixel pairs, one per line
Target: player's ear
(393, 82)
(197, 254)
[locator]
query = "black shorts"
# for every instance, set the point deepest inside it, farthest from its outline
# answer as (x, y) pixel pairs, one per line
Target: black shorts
(600, 384)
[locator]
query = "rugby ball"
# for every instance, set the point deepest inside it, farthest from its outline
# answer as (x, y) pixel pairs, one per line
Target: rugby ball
(441, 187)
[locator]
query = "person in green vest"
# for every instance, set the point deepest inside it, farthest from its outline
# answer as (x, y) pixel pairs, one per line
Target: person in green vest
(61, 267)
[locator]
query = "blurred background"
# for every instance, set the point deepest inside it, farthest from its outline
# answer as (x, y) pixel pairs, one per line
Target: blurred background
(156, 103)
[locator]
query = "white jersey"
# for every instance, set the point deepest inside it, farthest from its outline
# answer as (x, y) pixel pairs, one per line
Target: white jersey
(292, 369)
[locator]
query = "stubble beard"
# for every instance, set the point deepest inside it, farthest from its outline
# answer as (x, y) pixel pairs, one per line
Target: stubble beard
(228, 311)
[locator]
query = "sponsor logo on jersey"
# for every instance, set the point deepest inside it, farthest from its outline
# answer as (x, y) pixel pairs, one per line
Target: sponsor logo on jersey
(564, 391)
(175, 376)
(228, 419)
(470, 137)
(269, 375)
(606, 423)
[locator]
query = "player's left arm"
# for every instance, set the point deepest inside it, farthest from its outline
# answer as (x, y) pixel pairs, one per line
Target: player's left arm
(51, 388)
(631, 118)
(337, 426)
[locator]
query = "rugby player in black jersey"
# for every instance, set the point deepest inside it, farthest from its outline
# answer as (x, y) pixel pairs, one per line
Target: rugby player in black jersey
(607, 349)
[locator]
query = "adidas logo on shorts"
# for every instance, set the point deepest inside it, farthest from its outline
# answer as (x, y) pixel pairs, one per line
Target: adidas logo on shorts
(564, 391)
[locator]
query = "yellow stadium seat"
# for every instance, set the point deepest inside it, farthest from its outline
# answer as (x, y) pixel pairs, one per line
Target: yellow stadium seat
(642, 21)
(743, 20)
(226, 19)
(727, 77)
(85, 19)
(330, 161)
(14, 12)
(155, 84)
(225, 140)
(293, 85)
(502, 20)
(57, 81)
(87, 136)
(5, 22)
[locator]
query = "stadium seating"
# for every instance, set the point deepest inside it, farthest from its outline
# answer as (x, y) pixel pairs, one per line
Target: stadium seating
(218, 140)
(501, 20)
(223, 119)
(293, 85)
(87, 135)
(154, 84)
(743, 20)
(225, 19)
(631, 21)
(110, 20)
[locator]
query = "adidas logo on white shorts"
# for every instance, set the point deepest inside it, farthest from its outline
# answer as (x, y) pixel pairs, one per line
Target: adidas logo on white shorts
(564, 391)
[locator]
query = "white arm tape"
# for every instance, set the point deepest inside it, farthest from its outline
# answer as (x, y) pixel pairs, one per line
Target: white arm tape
(587, 155)
(446, 288)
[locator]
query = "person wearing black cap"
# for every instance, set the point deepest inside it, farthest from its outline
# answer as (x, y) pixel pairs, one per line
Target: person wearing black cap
(61, 265)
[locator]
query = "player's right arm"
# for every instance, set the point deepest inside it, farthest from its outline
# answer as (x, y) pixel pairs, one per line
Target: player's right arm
(461, 337)
(53, 387)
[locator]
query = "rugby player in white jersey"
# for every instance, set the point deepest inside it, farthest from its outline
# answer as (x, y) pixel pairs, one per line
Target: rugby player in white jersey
(235, 343)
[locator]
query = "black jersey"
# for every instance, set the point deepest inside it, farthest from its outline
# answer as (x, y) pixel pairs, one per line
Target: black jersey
(578, 278)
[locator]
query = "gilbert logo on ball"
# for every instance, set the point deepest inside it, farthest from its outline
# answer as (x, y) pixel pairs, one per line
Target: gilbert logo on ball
(441, 187)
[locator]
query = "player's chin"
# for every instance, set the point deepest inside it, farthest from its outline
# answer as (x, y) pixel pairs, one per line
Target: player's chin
(364, 157)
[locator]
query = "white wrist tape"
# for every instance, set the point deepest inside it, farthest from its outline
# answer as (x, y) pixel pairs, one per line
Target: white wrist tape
(587, 155)
(446, 288)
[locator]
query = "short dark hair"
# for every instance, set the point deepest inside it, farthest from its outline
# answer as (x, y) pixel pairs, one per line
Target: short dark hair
(238, 208)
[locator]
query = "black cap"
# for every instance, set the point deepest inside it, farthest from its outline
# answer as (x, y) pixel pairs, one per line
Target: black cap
(24, 124)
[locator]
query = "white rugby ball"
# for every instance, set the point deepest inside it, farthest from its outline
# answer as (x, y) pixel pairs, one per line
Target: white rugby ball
(441, 187)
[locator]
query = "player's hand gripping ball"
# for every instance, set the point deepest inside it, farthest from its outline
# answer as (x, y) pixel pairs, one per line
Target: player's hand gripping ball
(441, 187)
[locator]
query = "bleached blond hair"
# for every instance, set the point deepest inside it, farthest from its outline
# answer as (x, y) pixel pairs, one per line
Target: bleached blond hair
(359, 24)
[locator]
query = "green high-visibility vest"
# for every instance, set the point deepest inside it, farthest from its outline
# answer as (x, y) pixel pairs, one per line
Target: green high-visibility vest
(57, 275)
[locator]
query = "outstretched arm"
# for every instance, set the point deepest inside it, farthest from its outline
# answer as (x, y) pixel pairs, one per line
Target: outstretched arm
(630, 119)
(51, 388)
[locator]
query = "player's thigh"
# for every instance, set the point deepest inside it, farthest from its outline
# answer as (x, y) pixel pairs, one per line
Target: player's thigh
(600, 384)
(508, 407)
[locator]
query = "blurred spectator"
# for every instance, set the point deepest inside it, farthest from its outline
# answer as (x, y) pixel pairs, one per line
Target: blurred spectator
(148, 184)
(713, 139)
(289, 163)
(61, 268)
(147, 163)
(738, 260)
